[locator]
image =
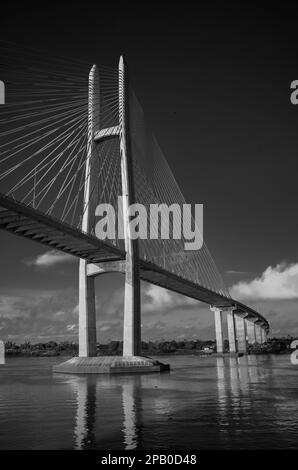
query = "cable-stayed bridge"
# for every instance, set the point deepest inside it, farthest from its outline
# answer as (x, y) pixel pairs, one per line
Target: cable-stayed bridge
(72, 137)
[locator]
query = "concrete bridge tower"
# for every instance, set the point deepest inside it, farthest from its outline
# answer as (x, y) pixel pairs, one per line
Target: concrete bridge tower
(87, 313)
(131, 359)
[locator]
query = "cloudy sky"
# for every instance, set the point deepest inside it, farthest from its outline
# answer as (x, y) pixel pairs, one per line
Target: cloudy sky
(215, 85)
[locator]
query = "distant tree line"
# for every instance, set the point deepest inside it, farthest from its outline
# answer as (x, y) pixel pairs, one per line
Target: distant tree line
(114, 348)
(273, 346)
(65, 348)
(159, 347)
(51, 348)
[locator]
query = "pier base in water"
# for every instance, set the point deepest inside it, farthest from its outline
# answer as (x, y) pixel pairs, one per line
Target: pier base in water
(110, 365)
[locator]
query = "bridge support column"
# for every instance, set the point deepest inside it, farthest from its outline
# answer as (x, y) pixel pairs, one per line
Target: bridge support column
(231, 331)
(258, 334)
(263, 335)
(87, 313)
(2, 352)
(218, 329)
(241, 334)
(251, 332)
(132, 311)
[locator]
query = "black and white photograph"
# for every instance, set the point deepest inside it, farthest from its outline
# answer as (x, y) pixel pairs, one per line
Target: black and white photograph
(148, 231)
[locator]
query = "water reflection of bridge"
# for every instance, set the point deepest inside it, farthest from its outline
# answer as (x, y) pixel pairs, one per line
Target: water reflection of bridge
(110, 412)
(239, 389)
(88, 390)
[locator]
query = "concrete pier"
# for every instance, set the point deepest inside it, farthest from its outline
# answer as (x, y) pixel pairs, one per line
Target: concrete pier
(231, 331)
(241, 334)
(87, 313)
(218, 329)
(251, 332)
(263, 335)
(2, 352)
(258, 334)
(2, 92)
(110, 365)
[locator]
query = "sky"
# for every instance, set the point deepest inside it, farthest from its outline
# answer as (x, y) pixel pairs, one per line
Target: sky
(215, 86)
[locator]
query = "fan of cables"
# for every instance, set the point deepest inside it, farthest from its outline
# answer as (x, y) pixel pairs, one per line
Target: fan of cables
(43, 131)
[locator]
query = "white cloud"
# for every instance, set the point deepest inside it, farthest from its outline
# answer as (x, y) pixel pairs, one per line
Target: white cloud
(50, 258)
(104, 328)
(112, 305)
(59, 314)
(76, 309)
(231, 271)
(27, 314)
(158, 299)
(279, 282)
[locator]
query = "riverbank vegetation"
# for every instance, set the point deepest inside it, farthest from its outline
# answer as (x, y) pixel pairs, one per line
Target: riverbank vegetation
(114, 348)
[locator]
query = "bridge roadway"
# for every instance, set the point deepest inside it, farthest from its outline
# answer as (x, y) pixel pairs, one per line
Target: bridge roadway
(25, 221)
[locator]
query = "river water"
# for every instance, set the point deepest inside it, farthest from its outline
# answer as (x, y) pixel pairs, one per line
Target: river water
(203, 403)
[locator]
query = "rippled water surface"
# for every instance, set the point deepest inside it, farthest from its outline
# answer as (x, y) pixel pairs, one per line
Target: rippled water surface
(203, 403)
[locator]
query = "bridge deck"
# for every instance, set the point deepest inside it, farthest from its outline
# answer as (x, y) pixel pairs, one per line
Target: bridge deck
(30, 223)
(151, 273)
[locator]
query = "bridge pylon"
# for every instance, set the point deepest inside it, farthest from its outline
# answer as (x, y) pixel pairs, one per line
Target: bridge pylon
(132, 309)
(87, 310)
(132, 296)
(131, 361)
